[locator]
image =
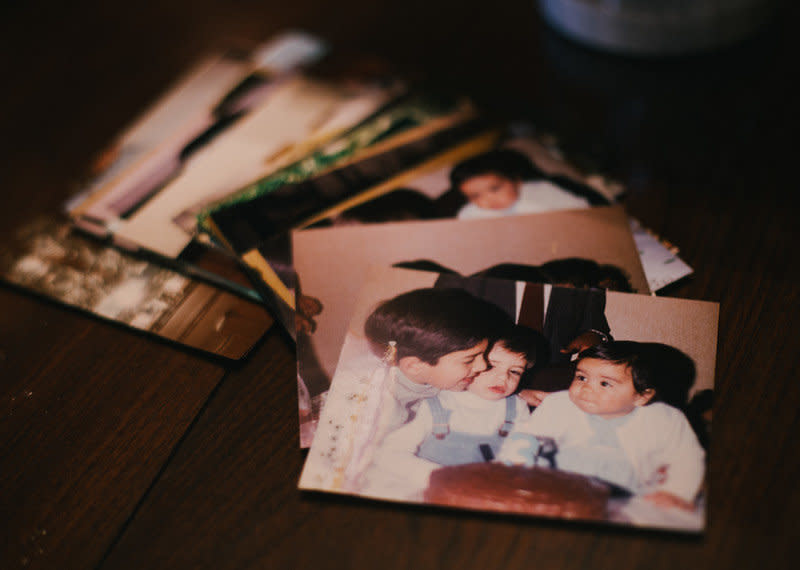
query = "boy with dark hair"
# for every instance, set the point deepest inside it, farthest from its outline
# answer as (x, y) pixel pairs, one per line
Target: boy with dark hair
(437, 336)
(427, 340)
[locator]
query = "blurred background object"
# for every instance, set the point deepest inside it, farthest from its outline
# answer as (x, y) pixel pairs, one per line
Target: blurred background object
(656, 27)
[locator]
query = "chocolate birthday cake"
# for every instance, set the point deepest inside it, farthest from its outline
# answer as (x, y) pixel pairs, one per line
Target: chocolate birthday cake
(518, 489)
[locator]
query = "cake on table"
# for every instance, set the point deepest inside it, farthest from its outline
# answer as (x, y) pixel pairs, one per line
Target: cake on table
(519, 489)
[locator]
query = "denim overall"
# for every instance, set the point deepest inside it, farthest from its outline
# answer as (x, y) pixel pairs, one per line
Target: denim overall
(455, 448)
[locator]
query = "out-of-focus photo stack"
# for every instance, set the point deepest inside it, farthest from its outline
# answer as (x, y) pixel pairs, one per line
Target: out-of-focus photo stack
(291, 187)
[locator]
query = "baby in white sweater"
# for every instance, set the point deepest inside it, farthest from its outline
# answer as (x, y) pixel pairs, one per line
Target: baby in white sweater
(609, 425)
(498, 183)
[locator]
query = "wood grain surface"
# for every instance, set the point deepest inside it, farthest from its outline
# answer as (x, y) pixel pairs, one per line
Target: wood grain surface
(120, 451)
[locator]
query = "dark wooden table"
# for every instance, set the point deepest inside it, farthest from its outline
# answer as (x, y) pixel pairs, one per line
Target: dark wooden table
(118, 451)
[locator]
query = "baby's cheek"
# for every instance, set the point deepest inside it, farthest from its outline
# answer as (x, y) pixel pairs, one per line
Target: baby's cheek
(509, 201)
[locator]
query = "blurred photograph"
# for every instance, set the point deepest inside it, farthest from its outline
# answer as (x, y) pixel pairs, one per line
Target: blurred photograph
(51, 259)
(589, 248)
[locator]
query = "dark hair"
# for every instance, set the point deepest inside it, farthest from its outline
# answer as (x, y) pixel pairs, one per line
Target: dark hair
(425, 265)
(430, 323)
(659, 367)
(575, 271)
(673, 372)
(628, 353)
(587, 273)
(505, 162)
(515, 272)
(524, 341)
(613, 278)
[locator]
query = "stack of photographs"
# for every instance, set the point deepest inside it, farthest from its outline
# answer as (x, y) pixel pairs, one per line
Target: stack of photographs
(477, 319)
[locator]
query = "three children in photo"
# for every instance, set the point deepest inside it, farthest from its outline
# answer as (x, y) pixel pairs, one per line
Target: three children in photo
(452, 373)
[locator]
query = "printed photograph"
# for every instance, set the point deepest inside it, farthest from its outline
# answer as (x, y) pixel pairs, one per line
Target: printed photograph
(515, 174)
(457, 173)
(200, 105)
(261, 124)
(51, 259)
(587, 248)
(526, 398)
(499, 173)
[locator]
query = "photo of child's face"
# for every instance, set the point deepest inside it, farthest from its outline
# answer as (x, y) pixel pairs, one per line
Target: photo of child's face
(502, 377)
(604, 389)
(455, 370)
(491, 191)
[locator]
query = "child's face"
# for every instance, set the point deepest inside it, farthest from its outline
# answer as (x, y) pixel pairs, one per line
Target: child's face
(605, 389)
(502, 378)
(491, 191)
(455, 370)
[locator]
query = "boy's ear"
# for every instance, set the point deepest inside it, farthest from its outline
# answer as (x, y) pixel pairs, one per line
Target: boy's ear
(642, 398)
(412, 366)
